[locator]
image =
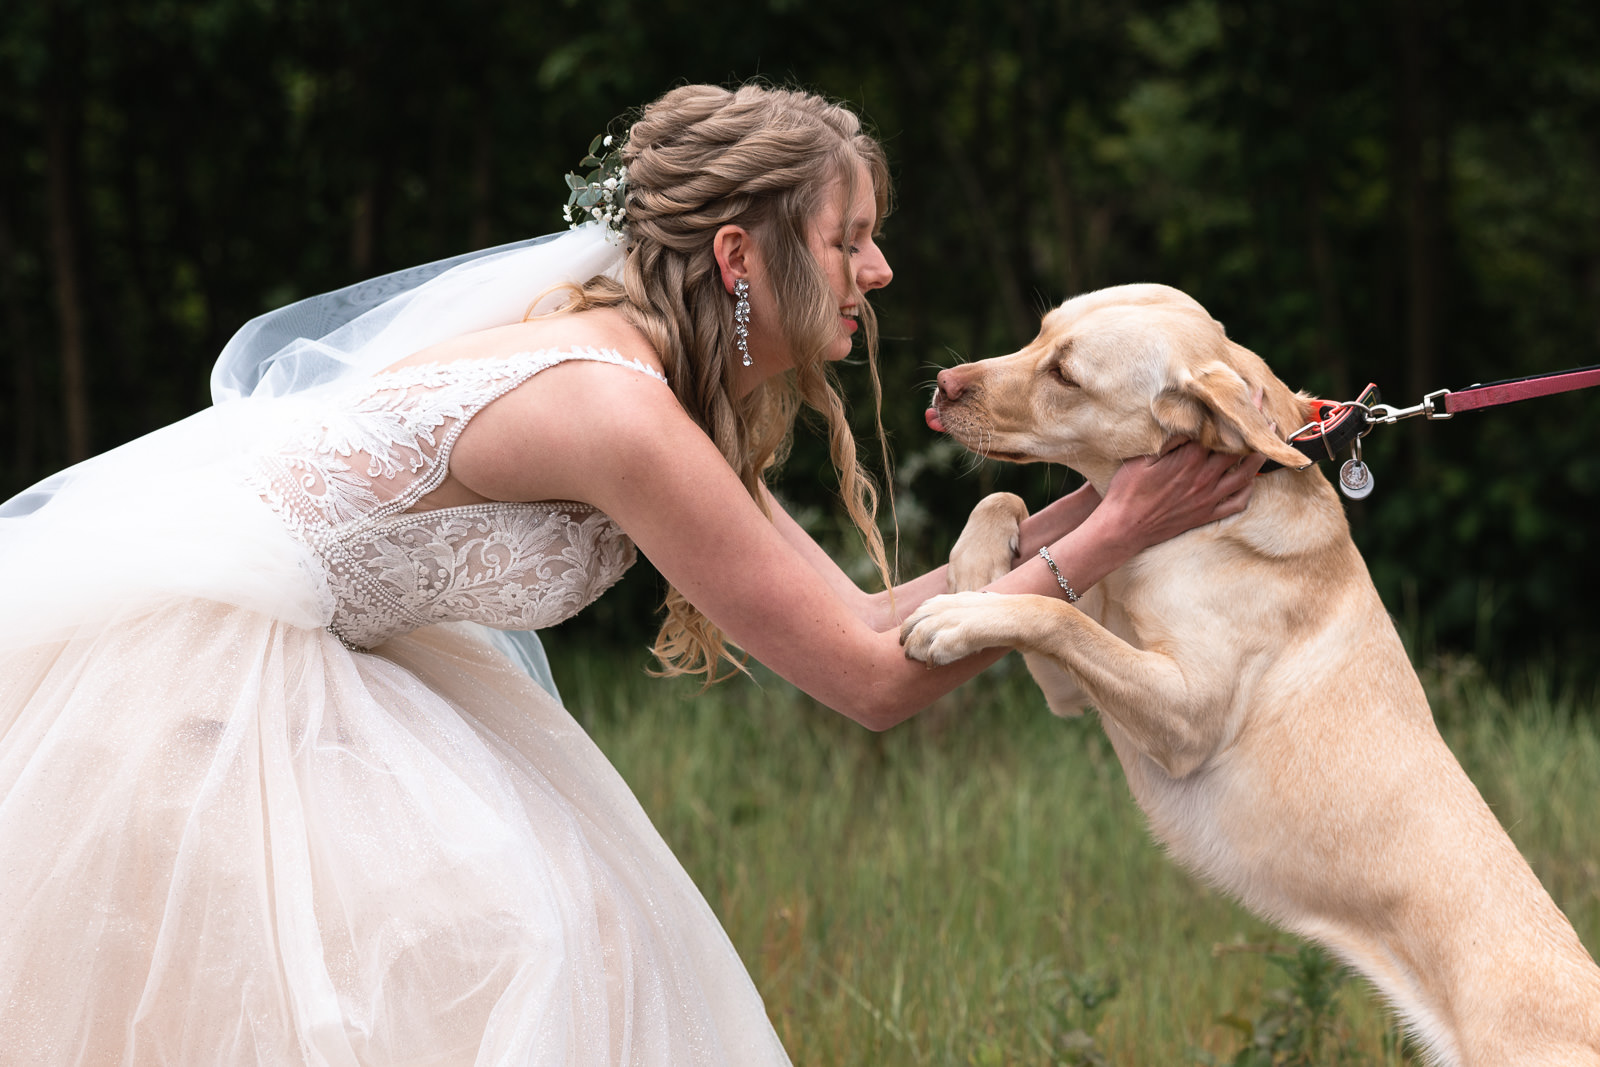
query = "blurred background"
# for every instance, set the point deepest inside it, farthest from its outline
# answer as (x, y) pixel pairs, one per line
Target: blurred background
(1401, 192)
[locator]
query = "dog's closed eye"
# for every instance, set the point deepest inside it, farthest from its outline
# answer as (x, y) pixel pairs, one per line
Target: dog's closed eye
(1064, 372)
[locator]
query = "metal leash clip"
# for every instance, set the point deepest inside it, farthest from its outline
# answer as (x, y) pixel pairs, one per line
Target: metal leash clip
(1355, 477)
(1386, 415)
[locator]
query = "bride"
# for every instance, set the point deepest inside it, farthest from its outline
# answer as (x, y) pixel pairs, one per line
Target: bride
(270, 791)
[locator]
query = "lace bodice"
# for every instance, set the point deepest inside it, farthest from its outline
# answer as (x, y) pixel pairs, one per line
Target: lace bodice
(347, 481)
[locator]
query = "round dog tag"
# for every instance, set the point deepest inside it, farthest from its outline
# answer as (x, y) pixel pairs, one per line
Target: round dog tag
(1355, 479)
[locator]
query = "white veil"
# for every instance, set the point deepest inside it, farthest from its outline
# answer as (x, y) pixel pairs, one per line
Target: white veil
(365, 327)
(167, 516)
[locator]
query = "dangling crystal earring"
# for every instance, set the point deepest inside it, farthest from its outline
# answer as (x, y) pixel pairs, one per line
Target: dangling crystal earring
(741, 320)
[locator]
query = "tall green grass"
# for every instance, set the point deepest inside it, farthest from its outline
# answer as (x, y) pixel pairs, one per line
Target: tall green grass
(977, 887)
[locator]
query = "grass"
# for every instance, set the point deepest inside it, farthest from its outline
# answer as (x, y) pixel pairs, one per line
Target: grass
(977, 887)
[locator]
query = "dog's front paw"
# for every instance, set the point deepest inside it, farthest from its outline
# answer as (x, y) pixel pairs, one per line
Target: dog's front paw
(953, 626)
(988, 543)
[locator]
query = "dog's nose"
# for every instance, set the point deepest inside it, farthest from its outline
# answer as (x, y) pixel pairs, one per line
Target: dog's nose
(950, 383)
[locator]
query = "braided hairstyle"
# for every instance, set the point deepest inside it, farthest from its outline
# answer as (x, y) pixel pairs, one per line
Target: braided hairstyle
(700, 158)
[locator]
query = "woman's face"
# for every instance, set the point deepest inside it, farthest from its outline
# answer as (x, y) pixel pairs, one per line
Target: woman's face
(841, 237)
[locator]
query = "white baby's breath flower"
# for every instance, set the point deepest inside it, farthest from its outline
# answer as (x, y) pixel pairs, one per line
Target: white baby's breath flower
(601, 195)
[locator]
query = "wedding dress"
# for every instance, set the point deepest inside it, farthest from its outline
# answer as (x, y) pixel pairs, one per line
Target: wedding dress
(286, 804)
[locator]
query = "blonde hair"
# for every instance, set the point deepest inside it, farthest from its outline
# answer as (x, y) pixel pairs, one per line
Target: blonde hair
(700, 158)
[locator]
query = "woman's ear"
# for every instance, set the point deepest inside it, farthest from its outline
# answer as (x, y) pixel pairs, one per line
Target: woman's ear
(735, 251)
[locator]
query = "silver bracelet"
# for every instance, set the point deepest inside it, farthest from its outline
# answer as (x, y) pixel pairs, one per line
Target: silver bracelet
(1044, 553)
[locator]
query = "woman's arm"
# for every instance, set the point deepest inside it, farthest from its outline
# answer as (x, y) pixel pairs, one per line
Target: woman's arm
(618, 440)
(1055, 520)
(877, 610)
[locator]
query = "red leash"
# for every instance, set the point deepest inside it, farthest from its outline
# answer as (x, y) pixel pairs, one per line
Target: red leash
(1514, 389)
(1335, 424)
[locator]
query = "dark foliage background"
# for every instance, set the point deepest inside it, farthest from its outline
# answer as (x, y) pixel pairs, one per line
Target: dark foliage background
(1402, 192)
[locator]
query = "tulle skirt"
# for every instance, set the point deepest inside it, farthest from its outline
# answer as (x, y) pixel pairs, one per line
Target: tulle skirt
(225, 839)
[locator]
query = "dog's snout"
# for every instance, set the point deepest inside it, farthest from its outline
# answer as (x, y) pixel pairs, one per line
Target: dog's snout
(950, 383)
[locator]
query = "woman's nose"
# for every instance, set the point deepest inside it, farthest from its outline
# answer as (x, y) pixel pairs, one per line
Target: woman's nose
(873, 271)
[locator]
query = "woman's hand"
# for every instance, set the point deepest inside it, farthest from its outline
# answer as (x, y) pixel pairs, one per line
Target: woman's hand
(1154, 498)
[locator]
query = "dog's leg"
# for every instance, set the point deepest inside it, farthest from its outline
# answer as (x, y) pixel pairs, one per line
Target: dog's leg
(987, 547)
(986, 550)
(1062, 694)
(1171, 712)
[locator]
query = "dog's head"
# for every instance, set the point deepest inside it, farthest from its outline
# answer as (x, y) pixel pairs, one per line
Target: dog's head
(1114, 374)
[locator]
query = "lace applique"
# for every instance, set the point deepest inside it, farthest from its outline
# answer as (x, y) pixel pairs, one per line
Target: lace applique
(345, 482)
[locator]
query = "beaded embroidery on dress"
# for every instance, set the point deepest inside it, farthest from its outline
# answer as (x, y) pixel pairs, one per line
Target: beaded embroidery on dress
(346, 484)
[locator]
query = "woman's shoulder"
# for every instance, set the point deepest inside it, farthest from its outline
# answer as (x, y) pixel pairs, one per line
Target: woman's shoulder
(579, 416)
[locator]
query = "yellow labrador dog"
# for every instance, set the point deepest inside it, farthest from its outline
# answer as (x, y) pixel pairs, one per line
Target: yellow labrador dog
(1254, 688)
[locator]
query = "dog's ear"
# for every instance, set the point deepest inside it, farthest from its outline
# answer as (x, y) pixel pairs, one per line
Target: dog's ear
(1214, 406)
